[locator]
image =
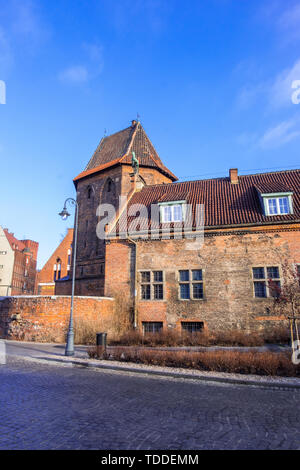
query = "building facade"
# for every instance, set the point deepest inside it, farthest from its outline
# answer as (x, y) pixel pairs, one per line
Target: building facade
(57, 267)
(18, 260)
(216, 275)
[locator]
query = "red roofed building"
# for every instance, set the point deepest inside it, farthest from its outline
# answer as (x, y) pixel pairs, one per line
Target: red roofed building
(244, 228)
(18, 260)
(57, 267)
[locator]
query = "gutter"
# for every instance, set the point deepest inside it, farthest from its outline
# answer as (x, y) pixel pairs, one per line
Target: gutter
(206, 228)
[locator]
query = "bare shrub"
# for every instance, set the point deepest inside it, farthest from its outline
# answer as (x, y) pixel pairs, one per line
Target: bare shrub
(279, 335)
(238, 338)
(261, 363)
(85, 329)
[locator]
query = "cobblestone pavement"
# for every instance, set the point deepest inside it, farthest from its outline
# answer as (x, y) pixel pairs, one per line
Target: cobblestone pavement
(55, 407)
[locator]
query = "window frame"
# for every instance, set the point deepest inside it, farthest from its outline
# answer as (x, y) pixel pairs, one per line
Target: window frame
(153, 323)
(265, 280)
(190, 282)
(186, 330)
(266, 197)
(172, 205)
(151, 283)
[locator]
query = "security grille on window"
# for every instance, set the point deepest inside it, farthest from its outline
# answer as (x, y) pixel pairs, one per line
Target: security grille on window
(152, 285)
(261, 278)
(192, 326)
(152, 326)
(191, 284)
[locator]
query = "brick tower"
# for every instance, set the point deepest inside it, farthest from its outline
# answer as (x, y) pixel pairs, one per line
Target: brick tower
(107, 176)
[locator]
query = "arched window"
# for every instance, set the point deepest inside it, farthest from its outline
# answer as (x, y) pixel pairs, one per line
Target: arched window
(58, 267)
(89, 192)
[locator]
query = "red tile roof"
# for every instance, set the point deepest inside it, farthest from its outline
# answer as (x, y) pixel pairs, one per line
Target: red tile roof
(225, 203)
(13, 241)
(117, 148)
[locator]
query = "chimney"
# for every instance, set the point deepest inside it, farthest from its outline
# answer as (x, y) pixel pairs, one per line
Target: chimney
(133, 123)
(233, 176)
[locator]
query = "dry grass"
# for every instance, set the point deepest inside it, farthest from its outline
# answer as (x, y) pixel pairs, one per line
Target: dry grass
(261, 363)
(175, 338)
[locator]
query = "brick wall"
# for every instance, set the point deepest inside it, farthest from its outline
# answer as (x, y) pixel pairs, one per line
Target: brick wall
(36, 316)
(226, 260)
(92, 191)
(45, 278)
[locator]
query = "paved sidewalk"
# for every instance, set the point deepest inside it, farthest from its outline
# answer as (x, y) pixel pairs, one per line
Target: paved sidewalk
(55, 354)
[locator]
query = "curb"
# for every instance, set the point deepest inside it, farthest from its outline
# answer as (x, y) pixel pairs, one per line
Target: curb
(176, 375)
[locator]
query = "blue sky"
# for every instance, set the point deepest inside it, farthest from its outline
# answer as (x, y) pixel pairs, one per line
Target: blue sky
(210, 79)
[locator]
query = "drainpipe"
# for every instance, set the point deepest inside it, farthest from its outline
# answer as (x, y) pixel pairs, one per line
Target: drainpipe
(135, 283)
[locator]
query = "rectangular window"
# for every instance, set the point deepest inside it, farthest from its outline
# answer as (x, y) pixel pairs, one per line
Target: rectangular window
(191, 284)
(184, 275)
(260, 289)
(152, 326)
(3, 252)
(278, 205)
(172, 213)
(185, 291)
(192, 326)
(272, 206)
(152, 285)
(146, 292)
(261, 281)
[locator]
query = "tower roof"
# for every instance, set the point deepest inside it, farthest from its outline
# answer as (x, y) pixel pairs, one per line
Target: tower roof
(116, 149)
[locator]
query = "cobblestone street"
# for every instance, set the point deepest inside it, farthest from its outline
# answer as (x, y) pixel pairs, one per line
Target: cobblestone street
(53, 407)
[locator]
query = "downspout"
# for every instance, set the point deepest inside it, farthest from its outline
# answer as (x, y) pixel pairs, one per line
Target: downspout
(135, 283)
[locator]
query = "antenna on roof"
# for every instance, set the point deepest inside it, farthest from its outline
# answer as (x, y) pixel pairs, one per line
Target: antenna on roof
(105, 132)
(138, 117)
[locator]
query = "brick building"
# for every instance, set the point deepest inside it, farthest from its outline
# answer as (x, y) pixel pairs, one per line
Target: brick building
(57, 266)
(251, 228)
(18, 260)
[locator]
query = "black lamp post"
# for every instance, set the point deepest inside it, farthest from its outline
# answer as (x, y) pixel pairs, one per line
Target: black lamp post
(64, 215)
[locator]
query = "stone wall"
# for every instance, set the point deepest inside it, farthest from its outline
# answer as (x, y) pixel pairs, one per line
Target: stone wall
(46, 317)
(226, 260)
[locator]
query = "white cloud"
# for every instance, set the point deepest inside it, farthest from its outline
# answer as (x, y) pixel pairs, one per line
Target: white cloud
(92, 65)
(74, 74)
(281, 91)
(25, 20)
(282, 133)
(6, 55)
(273, 92)
(289, 22)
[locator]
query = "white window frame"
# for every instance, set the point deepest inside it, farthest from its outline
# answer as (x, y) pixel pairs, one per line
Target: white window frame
(172, 205)
(277, 197)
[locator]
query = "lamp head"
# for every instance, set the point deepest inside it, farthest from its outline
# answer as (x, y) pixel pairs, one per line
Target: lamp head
(64, 213)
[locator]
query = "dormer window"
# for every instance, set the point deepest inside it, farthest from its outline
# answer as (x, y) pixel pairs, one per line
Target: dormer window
(172, 211)
(276, 203)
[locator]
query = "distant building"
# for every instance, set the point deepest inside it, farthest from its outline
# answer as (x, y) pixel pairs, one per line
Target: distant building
(57, 267)
(18, 260)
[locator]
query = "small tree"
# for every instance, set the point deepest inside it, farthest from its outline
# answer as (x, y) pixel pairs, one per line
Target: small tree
(287, 296)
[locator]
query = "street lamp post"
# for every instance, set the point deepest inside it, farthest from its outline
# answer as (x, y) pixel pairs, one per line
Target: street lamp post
(64, 215)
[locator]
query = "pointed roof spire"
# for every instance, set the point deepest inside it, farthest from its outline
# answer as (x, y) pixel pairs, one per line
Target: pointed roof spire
(116, 149)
